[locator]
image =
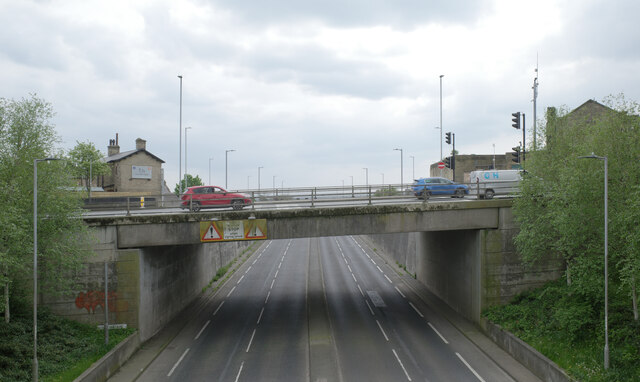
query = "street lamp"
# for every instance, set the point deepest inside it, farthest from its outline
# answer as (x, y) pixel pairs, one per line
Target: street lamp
(442, 75)
(401, 170)
(180, 142)
(35, 264)
(413, 166)
(226, 155)
(259, 167)
(366, 176)
(382, 173)
(606, 255)
(186, 185)
(210, 159)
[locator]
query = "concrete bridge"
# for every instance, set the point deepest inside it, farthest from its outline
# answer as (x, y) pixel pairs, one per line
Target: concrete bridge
(461, 250)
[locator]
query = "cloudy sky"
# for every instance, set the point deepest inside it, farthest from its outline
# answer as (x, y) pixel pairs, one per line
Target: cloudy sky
(312, 91)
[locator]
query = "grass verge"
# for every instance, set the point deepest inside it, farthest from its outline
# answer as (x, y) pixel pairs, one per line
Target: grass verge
(65, 348)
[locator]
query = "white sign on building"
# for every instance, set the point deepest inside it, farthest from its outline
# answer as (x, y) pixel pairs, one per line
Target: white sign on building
(141, 172)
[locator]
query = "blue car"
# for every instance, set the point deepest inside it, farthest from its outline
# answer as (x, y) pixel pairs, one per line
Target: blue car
(423, 188)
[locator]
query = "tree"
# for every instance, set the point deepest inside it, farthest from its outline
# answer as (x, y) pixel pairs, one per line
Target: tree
(561, 205)
(26, 133)
(86, 162)
(191, 181)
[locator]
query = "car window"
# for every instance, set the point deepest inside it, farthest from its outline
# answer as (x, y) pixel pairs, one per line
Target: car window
(199, 190)
(217, 190)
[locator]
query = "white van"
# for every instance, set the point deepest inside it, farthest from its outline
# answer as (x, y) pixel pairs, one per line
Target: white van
(488, 183)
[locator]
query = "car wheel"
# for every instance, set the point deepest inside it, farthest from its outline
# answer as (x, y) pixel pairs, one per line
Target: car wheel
(237, 204)
(459, 193)
(195, 206)
(489, 194)
(426, 195)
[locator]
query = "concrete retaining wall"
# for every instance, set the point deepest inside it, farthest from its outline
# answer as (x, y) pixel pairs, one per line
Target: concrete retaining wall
(146, 287)
(540, 365)
(111, 362)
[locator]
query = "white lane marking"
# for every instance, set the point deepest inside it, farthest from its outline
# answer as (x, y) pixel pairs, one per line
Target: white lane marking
(369, 306)
(272, 282)
(388, 279)
(374, 263)
(267, 299)
(239, 371)
(401, 365)
(438, 333)
(251, 340)
(248, 269)
(345, 260)
(354, 278)
(231, 291)
(380, 269)
(382, 330)
(177, 363)
(276, 275)
(240, 280)
(361, 292)
(279, 265)
(219, 306)
(416, 309)
(260, 316)
(470, 368)
(401, 294)
(254, 262)
(202, 330)
(349, 268)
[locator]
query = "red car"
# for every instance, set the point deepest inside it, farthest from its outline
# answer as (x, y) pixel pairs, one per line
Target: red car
(213, 196)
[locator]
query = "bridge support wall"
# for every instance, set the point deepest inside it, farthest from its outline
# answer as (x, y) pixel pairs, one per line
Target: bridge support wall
(470, 270)
(147, 287)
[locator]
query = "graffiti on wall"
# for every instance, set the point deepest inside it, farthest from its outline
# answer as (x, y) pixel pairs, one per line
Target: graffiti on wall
(94, 298)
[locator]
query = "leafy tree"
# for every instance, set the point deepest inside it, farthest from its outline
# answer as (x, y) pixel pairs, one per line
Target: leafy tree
(191, 182)
(26, 134)
(85, 162)
(561, 205)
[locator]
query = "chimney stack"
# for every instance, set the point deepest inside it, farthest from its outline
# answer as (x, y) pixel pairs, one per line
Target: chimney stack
(113, 147)
(141, 144)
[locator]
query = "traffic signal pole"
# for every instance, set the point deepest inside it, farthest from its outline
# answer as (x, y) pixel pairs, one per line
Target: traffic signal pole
(453, 157)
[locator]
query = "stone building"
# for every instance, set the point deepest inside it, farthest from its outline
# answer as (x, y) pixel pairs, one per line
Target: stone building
(466, 163)
(134, 170)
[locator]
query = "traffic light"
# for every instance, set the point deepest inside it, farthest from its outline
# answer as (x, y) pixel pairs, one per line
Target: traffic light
(516, 154)
(516, 120)
(450, 162)
(448, 138)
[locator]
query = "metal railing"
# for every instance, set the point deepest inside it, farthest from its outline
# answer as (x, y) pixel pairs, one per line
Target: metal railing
(281, 198)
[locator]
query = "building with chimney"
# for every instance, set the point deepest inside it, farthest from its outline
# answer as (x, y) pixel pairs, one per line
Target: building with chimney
(136, 170)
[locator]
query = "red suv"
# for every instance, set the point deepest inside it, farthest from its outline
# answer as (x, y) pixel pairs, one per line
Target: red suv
(213, 196)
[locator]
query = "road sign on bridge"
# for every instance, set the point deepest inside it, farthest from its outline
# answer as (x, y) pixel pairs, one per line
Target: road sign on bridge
(230, 230)
(441, 165)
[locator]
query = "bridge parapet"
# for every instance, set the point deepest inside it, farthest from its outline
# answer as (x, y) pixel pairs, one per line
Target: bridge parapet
(141, 231)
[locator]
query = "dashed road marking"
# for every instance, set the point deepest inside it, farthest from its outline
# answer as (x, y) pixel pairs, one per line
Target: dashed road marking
(178, 362)
(382, 330)
(401, 365)
(219, 306)
(469, 367)
(416, 309)
(202, 330)
(438, 333)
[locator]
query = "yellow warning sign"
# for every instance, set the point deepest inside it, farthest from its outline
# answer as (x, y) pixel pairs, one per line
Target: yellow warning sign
(228, 230)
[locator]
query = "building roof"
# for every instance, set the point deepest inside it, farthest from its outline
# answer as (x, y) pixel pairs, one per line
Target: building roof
(125, 154)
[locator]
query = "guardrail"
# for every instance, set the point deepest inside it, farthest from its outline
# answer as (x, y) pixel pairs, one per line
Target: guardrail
(279, 198)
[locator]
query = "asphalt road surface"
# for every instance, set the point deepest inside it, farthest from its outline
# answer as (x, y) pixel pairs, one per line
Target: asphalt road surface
(320, 309)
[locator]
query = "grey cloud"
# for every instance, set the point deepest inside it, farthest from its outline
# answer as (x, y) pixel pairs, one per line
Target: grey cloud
(354, 13)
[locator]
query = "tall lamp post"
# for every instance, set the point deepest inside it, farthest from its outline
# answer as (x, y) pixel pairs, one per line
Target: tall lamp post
(441, 157)
(35, 264)
(180, 143)
(413, 166)
(366, 171)
(606, 255)
(401, 170)
(210, 159)
(226, 155)
(186, 185)
(259, 167)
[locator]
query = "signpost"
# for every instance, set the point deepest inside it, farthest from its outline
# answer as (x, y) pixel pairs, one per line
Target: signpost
(441, 165)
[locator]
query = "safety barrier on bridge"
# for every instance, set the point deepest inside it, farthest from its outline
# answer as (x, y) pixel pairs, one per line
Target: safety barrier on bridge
(284, 198)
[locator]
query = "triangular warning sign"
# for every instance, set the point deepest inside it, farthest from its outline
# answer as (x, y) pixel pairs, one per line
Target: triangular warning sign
(255, 232)
(211, 234)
